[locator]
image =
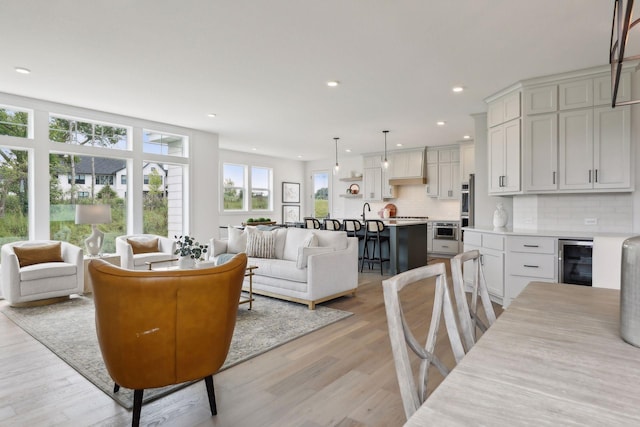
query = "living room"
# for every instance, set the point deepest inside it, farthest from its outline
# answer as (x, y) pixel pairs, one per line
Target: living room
(246, 84)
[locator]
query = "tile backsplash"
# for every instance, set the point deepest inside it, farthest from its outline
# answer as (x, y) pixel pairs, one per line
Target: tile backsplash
(611, 212)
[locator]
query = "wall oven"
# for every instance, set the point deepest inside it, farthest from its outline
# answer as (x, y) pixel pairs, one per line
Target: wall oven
(445, 231)
(575, 261)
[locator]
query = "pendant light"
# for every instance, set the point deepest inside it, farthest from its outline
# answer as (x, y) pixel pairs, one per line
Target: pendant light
(385, 163)
(336, 168)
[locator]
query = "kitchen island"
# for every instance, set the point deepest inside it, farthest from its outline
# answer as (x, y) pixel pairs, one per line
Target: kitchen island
(407, 244)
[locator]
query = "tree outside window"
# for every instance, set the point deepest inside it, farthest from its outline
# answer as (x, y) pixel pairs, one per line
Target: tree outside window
(234, 178)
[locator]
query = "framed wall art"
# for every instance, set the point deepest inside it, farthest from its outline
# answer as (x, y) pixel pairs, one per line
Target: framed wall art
(290, 192)
(290, 213)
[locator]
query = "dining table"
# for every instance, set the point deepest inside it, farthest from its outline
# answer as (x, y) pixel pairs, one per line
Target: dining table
(553, 358)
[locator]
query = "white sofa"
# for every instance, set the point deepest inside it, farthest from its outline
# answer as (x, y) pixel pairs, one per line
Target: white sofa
(45, 279)
(164, 252)
(297, 264)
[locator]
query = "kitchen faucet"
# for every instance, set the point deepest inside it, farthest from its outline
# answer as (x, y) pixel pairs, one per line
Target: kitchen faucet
(366, 205)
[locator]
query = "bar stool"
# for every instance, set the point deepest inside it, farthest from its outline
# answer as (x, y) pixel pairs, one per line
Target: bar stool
(352, 226)
(373, 233)
(332, 224)
(312, 223)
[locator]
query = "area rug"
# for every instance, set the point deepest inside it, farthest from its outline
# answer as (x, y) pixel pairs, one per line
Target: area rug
(68, 330)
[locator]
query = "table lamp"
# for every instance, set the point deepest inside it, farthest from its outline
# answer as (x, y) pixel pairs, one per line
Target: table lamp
(93, 214)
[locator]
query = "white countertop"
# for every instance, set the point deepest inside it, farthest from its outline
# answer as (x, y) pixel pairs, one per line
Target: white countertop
(588, 235)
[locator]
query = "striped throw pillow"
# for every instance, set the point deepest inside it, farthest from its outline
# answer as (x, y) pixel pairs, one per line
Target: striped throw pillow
(260, 244)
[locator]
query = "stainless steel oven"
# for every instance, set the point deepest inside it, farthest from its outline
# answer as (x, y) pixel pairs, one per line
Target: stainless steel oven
(445, 231)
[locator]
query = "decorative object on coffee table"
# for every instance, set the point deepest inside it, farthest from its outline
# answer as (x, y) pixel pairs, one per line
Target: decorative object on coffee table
(190, 251)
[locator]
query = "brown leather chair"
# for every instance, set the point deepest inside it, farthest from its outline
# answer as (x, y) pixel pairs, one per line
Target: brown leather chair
(158, 328)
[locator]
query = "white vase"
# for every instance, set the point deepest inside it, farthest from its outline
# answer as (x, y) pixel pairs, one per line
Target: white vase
(186, 262)
(500, 217)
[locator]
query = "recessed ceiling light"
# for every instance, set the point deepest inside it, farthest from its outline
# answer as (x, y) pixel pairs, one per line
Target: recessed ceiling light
(23, 70)
(211, 115)
(299, 156)
(333, 83)
(441, 123)
(467, 137)
(458, 89)
(254, 149)
(398, 145)
(348, 150)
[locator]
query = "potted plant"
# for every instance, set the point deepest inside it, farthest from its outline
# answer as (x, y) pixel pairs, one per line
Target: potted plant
(189, 250)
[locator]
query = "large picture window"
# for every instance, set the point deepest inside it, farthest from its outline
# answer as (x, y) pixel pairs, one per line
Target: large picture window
(234, 178)
(246, 188)
(261, 189)
(14, 122)
(162, 143)
(162, 199)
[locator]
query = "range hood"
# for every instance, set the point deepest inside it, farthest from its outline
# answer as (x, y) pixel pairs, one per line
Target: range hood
(408, 181)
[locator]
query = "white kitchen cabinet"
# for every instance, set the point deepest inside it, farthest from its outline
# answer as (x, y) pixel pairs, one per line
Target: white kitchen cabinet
(595, 149)
(575, 94)
(528, 259)
(467, 161)
(540, 100)
(429, 237)
(503, 109)
(375, 185)
(449, 173)
(504, 158)
(602, 89)
(540, 153)
(432, 173)
(491, 248)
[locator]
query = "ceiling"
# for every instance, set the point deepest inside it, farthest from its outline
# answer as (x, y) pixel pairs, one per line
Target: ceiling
(262, 66)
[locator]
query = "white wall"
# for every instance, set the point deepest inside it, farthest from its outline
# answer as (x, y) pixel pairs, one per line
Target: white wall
(283, 170)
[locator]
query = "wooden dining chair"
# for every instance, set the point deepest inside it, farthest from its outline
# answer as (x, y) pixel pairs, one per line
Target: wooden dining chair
(402, 337)
(470, 262)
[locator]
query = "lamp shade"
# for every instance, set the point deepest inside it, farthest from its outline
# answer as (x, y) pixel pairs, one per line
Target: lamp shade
(93, 214)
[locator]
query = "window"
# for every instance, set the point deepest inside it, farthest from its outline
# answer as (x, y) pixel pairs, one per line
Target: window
(14, 199)
(161, 143)
(72, 131)
(97, 174)
(123, 179)
(320, 194)
(234, 187)
(14, 122)
(261, 189)
(162, 198)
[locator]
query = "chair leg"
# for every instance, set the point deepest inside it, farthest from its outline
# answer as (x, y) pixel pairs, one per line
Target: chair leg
(116, 387)
(137, 407)
(212, 395)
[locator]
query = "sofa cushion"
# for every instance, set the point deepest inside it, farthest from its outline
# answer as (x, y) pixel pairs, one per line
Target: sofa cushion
(260, 244)
(281, 237)
(333, 239)
(237, 240)
(304, 252)
(36, 254)
(143, 246)
(46, 270)
(218, 246)
(296, 237)
(278, 269)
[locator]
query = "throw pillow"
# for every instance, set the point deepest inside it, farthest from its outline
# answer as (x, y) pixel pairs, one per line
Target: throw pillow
(146, 246)
(260, 244)
(305, 252)
(37, 254)
(311, 241)
(237, 240)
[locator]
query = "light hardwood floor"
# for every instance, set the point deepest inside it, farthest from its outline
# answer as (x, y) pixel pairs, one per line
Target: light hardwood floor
(341, 375)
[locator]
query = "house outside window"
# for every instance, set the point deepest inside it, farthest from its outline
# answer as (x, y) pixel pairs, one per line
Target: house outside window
(123, 179)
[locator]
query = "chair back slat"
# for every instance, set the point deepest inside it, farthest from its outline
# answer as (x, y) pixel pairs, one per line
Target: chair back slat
(468, 273)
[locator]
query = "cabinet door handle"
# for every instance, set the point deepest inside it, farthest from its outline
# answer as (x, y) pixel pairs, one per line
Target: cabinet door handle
(531, 246)
(596, 175)
(482, 259)
(531, 266)
(554, 177)
(589, 176)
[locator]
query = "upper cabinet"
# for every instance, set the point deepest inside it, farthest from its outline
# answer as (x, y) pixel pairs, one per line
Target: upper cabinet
(572, 141)
(467, 161)
(504, 109)
(432, 173)
(443, 170)
(375, 184)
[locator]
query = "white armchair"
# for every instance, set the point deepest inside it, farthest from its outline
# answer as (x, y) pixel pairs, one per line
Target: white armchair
(41, 280)
(135, 257)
